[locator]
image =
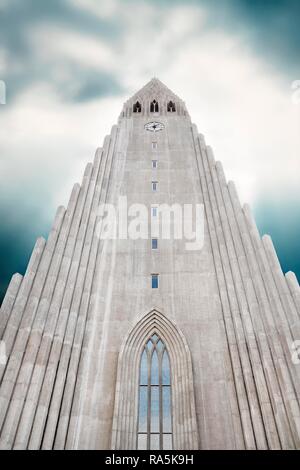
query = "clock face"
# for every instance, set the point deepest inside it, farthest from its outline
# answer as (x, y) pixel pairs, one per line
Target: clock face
(154, 126)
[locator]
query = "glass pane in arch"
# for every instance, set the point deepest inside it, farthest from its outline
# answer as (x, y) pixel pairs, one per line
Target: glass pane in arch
(166, 369)
(166, 404)
(155, 411)
(142, 442)
(154, 443)
(143, 409)
(144, 369)
(167, 442)
(155, 420)
(154, 369)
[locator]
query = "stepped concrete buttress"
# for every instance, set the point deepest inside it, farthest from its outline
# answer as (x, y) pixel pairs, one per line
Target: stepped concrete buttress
(73, 323)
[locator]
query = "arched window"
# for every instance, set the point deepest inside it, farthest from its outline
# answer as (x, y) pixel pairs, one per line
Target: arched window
(154, 415)
(171, 107)
(154, 402)
(154, 107)
(137, 108)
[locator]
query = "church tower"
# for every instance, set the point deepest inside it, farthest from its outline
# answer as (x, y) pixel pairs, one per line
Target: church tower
(121, 338)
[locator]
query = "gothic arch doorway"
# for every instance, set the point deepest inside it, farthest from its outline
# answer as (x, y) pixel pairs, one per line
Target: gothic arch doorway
(135, 425)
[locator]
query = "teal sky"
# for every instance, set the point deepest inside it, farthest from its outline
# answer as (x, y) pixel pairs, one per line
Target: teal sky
(69, 65)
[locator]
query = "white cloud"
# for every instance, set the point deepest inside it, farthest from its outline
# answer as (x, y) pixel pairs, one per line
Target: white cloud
(244, 112)
(56, 43)
(45, 144)
(234, 98)
(103, 10)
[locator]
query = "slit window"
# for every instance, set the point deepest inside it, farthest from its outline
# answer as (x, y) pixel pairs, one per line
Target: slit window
(171, 107)
(154, 211)
(154, 185)
(154, 243)
(154, 107)
(154, 145)
(154, 281)
(137, 108)
(154, 163)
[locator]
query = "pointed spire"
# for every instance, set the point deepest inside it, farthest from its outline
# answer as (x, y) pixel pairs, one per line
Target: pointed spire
(155, 87)
(158, 91)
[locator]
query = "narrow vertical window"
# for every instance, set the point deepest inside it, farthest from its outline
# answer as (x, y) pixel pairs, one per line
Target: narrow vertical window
(154, 163)
(154, 243)
(154, 145)
(154, 281)
(154, 211)
(155, 420)
(154, 107)
(137, 108)
(154, 185)
(171, 107)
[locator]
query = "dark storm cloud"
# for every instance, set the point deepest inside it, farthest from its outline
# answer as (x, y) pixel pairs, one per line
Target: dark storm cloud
(17, 17)
(269, 27)
(272, 29)
(281, 220)
(18, 232)
(93, 85)
(17, 21)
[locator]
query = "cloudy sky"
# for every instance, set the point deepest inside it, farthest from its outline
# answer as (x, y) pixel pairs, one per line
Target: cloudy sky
(68, 66)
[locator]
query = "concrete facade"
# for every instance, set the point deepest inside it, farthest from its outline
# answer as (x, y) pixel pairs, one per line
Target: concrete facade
(74, 324)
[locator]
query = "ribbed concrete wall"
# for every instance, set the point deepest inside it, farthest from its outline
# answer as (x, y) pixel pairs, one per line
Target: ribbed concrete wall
(65, 321)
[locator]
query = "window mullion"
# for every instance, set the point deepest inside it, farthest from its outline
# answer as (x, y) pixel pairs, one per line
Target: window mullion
(149, 356)
(160, 401)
